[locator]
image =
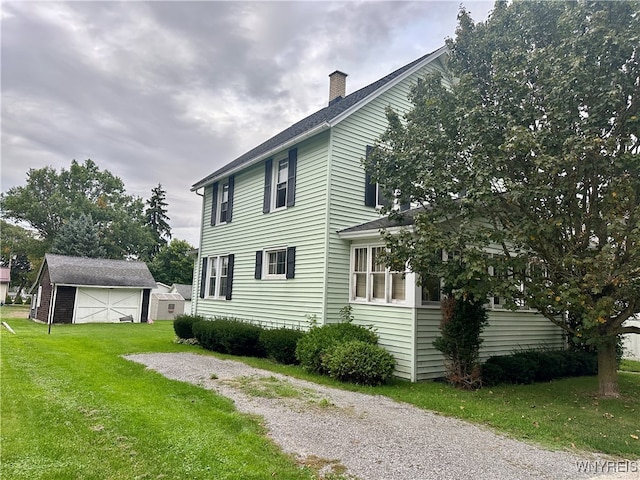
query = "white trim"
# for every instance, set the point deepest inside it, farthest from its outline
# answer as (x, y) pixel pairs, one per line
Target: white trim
(265, 263)
(218, 265)
(408, 299)
(374, 233)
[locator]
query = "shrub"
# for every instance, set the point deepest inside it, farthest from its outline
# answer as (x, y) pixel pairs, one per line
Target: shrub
(539, 366)
(279, 344)
(7, 300)
(227, 335)
(359, 362)
(183, 325)
(17, 300)
(312, 347)
(27, 300)
(463, 320)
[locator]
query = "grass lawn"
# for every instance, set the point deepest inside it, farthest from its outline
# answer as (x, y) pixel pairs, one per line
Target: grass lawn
(71, 407)
(630, 366)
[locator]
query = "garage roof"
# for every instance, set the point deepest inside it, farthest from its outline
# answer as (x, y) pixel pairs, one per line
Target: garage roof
(98, 272)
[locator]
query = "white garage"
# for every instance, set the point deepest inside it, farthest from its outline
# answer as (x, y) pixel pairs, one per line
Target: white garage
(91, 290)
(107, 305)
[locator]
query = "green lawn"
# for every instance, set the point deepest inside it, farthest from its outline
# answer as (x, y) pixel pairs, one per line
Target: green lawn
(71, 407)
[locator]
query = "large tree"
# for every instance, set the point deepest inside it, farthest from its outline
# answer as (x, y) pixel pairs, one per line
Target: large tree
(173, 263)
(51, 198)
(529, 144)
(20, 249)
(79, 237)
(157, 219)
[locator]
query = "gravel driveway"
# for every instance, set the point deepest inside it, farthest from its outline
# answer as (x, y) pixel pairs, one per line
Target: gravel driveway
(369, 437)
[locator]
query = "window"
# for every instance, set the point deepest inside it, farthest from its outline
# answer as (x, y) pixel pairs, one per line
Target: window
(222, 201)
(171, 307)
(217, 277)
(431, 290)
(275, 263)
(280, 182)
(375, 196)
(371, 281)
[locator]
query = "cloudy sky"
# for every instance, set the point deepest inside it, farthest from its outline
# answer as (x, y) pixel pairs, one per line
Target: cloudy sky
(167, 92)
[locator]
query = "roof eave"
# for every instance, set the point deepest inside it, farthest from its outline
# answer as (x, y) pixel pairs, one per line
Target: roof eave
(303, 136)
(373, 232)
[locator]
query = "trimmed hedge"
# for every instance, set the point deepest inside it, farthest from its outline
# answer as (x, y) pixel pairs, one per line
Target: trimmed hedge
(225, 335)
(279, 344)
(183, 325)
(538, 366)
(313, 347)
(359, 362)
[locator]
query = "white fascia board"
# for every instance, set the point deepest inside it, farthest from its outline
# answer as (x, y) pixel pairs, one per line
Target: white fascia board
(283, 146)
(373, 233)
(120, 287)
(435, 55)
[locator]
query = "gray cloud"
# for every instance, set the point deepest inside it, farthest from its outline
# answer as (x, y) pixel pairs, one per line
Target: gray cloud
(167, 92)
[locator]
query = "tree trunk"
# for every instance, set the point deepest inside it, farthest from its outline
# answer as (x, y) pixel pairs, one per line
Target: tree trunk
(608, 369)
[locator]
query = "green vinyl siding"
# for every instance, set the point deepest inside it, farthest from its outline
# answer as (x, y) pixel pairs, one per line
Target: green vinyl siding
(506, 332)
(276, 302)
(394, 326)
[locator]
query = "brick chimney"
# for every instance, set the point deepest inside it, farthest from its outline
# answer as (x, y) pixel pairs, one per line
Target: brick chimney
(337, 86)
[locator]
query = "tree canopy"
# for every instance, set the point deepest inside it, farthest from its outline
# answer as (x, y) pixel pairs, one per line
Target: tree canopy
(51, 198)
(173, 263)
(157, 219)
(79, 237)
(528, 146)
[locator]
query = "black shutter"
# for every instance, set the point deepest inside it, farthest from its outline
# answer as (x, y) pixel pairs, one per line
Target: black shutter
(291, 262)
(230, 201)
(369, 187)
(266, 203)
(258, 272)
(203, 277)
(214, 203)
(229, 275)
(291, 180)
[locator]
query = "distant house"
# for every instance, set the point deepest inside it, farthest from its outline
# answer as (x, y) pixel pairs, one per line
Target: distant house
(5, 279)
(87, 290)
(291, 232)
(631, 341)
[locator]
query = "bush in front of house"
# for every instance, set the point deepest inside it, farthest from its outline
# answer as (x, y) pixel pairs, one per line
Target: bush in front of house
(360, 362)
(18, 300)
(280, 344)
(228, 335)
(538, 366)
(8, 300)
(312, 347)
(183, 325)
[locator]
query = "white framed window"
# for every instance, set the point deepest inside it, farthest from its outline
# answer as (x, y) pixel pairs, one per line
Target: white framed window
(431, 290)
(224, 202)
(281, 183)
(276, 263)
(218, 277)
(371, 280)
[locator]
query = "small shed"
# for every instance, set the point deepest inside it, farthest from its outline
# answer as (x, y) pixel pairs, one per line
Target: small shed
(631, 341)
(166, 306)
(5, 278)
(91, 290)
(185, 291)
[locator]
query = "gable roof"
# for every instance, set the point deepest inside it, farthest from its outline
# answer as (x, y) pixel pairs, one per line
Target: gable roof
(320, 120)
(97, 272)
(405, 219)
(184, 290)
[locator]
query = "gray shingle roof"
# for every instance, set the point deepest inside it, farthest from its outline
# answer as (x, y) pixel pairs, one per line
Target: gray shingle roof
(407, 218)
(314, 120)
(98, 272)
(184, 290)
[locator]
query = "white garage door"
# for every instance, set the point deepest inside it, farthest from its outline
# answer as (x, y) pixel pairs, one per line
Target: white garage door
(107, 304)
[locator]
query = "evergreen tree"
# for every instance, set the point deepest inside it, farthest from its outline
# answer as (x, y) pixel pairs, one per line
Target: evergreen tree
(157, 219)
(79, 238)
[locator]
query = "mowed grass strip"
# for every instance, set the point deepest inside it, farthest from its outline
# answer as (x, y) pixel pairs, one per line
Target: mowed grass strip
(72, 408)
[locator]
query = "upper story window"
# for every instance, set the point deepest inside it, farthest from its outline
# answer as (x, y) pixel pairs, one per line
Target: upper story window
(280, 182)
(217, 277)
(371, 281)
(222, 201)
(376, 196)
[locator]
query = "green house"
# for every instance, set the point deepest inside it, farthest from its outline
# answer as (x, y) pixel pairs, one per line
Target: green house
(290, 234)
